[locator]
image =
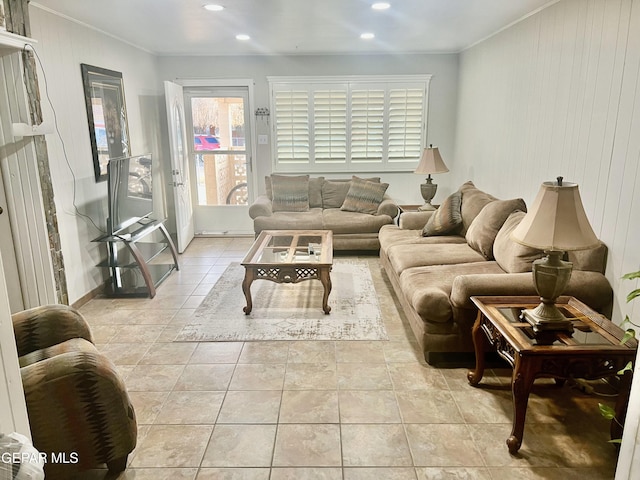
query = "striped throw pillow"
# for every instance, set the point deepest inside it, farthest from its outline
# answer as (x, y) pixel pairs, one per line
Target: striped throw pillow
(447, 219)
(364, 196)
(290, 193)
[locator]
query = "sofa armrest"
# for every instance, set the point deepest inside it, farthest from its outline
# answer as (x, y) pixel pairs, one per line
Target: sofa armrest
(42, 327)
(415, 220)
(387, 207)
(262, 207)
(77, 402)
(592, 288)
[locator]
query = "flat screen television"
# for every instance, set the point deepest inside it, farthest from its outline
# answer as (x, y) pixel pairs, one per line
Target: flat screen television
(130, 191)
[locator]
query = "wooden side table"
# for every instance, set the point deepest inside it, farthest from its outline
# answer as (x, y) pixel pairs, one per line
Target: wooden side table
(592, 351)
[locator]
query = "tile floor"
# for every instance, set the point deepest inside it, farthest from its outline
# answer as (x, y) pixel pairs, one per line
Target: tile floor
(324, 410)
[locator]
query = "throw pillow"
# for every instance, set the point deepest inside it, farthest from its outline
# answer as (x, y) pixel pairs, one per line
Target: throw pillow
(364, 196)
(512, 256)
(447, 219)
(473, 200)
(484, 228)
(334, 192)
(290, 194)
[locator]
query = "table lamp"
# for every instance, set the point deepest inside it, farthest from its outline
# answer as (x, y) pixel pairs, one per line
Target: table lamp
(556, 223)
(430, 162)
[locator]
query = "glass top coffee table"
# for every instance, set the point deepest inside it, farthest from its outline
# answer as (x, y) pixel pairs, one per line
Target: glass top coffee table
(289, 256)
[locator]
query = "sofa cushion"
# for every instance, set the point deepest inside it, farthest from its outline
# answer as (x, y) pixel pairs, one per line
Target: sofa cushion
(407, 256)
(473, 201)
(390, 235)
(310, 220)
(447, 218)
(290, 193)
(364, 196)
(341, 221)
(315, 190)
(512, 256)
(484, 228)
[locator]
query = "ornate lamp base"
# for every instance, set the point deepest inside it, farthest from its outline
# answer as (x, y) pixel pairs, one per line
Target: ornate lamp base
(428, 191)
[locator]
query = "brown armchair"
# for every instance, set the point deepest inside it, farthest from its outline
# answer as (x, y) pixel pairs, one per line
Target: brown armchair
(78, 406)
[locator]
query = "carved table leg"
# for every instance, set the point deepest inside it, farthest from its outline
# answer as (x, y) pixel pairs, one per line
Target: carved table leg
(249, 276)
(325, 279)
(523, 376)
(480, 344)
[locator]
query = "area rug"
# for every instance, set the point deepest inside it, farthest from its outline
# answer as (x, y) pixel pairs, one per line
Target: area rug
(289, 311)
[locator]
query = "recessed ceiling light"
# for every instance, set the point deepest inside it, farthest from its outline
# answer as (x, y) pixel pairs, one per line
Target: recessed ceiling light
(367, 36)
(380, 6)
(242, 36)
(213, 7)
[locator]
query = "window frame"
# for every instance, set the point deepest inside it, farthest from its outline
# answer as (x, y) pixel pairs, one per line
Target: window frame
(348, 83)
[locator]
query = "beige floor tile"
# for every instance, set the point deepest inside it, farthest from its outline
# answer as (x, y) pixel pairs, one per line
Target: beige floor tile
(360, 352)
(480, 405)
(104, 333)
(137, 334)
(312, 352)
(309, 406)
(375, 445)
(398, 473)
(216, 352)
(172, 446)
(124, 353)
(154, 378)
(306, 473)
(233, 474)
(205, 377)
(368, 406)
(167, 301)
(398, 351)
(551, 473)
(362, 376)
(161, 473)
(183, 316)
(190, 408)
(442, 445)
(169, 333)
(416, 376)
(240, 446)
(252, 407)
(169, 354)
(428, 406)
(193, 301)
(456, 473)
(310, 376)
(307, 446)
(264, 352)
(259, 376)
(147, 405)
(175, 289)
(203, 289)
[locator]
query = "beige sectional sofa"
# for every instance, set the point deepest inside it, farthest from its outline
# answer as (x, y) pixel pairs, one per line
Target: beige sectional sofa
(352, 230)
(434, 276)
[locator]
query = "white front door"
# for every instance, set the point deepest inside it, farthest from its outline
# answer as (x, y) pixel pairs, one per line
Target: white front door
(219, 124)
(179, 164)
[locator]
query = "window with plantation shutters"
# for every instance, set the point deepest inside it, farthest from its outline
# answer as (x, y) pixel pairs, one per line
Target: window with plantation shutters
(357, 123)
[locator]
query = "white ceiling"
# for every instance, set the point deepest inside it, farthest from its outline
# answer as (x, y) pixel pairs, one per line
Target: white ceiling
(175, 27)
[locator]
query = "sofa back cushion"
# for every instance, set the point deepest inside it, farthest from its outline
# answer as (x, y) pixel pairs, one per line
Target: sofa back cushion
(315, 191)
(335, 191)
(447, 219)
(290, 193)
(512, 256)
(364, 196)
(484, 228)
(473, 201)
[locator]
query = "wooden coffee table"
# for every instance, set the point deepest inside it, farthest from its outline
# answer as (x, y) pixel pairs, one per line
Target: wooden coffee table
(289, 256)
(592, 351)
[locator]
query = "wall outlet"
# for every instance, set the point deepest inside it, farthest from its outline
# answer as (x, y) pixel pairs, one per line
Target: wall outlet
(263, 139)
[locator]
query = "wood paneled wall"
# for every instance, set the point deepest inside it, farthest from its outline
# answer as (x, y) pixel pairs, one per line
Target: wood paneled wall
(558, 94)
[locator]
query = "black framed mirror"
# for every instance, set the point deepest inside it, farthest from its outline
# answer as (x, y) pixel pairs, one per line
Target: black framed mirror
(106, 115)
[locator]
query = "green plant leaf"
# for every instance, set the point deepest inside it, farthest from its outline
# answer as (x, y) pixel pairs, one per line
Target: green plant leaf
(633, 294)
(632, 275)
(616, 440)
(628, 335)
(627, 368)
(606, 411)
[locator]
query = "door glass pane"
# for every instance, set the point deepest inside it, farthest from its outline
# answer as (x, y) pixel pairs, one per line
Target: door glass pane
(221, 179)
(219, 150)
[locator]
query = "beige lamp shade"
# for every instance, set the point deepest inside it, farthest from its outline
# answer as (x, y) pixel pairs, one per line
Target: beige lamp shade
(556, 221)
(431, 162)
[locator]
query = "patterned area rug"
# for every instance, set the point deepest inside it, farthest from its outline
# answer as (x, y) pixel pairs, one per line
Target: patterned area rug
(289, 311)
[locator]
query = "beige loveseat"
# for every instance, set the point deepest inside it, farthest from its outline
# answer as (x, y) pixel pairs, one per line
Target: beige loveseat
(434, 276)
(352, 230)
